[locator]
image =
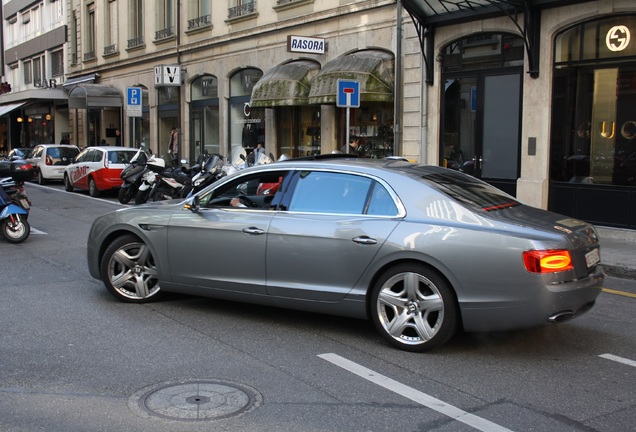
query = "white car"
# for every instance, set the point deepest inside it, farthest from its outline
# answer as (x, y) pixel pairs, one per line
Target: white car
(97, 169)
(50, 160)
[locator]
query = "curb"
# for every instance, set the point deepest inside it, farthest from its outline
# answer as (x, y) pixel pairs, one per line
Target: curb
(619, 271)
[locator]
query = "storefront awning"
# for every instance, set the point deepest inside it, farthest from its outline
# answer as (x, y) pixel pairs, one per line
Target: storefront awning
(7, 108)
(429, 14)
(94, 96)
(84, 79)
(374, 69)
(287, 84)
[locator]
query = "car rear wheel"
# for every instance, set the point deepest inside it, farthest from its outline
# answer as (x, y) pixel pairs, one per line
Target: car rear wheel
(414, 308)
(92, 188)
(41, 179)
(129, 271)
(68, 186)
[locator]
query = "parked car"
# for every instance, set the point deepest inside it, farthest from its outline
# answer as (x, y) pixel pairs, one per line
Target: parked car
(97, 169)
(19, 153)
(422, 251)
(50, 160)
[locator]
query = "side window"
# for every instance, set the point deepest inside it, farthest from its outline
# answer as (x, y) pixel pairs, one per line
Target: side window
(81, 157)
(381, 203)
(327, 192)
(98, 155)
(252, 191)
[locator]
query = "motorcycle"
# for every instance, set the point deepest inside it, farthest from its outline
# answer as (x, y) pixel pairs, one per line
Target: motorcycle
(14, 204)
(132, 175)
(162, 183)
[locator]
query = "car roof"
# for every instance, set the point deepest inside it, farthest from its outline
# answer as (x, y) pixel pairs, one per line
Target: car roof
(111, 148)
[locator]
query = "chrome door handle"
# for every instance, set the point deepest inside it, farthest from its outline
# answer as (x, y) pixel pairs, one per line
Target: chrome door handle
(253, 231)
(364, 240)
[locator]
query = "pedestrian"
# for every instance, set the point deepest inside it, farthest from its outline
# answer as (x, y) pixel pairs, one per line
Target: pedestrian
(173, 146)
(117, 137)
(353, 146)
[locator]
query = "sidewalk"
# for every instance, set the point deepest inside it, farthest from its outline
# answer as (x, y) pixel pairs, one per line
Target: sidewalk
(618, 252)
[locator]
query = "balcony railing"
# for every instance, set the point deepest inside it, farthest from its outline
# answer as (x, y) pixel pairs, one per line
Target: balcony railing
(110, 49)
(244, 9)
(164, 33)
(202, 21)
(135, 42)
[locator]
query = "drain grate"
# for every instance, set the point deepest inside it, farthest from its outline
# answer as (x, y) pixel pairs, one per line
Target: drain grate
(196, 400)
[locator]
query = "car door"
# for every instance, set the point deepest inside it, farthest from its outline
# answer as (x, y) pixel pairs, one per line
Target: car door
(333, 226)
(78, 173)
(221, 246)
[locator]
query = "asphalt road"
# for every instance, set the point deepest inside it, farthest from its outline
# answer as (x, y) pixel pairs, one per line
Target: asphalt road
(72, 358)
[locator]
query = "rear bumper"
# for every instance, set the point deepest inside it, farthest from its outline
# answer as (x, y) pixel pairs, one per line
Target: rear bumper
(553, 304)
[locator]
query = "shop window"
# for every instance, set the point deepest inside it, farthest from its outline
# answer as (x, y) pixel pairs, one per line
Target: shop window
(247, 124)
(593, 136)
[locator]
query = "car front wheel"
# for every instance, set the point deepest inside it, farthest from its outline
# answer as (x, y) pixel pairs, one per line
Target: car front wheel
(414, 308)
(129, 271)
(68, 186)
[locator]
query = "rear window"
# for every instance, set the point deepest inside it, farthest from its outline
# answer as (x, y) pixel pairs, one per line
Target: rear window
(120, 156)
(61, 155)
(466, 189)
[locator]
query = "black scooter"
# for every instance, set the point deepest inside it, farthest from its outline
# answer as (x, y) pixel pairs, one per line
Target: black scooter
(133, 174)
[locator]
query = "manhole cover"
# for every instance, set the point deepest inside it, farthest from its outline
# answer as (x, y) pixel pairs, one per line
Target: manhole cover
(195, 400)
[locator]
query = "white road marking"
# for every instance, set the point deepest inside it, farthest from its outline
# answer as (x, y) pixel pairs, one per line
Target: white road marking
(619, 359)
(36, 231)
(415, 395)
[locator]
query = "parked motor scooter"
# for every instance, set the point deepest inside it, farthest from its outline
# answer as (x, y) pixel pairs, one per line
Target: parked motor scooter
(211, 171)
(132, 175)
(154, 166)
(14, 204)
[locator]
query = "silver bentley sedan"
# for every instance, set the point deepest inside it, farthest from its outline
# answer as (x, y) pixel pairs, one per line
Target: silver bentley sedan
(422, 251)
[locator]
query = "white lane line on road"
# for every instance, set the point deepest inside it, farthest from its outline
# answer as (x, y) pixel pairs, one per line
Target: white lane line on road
(415, 395)
(37, 231)
(619, 359)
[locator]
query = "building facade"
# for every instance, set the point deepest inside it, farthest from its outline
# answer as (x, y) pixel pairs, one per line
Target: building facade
(33, 106)
(533, 96)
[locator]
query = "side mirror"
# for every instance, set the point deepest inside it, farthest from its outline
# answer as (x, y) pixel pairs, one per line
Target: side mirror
(193, 204)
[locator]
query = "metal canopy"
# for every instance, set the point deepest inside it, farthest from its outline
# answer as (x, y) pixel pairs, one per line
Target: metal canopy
(7, 108)
(429, 14)
(372, 68)
(287, 84)
(94, 96)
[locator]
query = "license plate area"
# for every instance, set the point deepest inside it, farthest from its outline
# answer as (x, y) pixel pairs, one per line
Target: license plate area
(592, 258)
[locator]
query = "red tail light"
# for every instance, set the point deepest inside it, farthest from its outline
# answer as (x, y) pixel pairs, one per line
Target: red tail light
(547, 261)
(25, 167)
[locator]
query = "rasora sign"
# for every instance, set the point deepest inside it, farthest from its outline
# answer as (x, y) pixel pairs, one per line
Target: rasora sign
(306, 45)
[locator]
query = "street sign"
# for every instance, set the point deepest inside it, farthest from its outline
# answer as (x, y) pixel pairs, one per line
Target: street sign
(348, 94)
(133, 102)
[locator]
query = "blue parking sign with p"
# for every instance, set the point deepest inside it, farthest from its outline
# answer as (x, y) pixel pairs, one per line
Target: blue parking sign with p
(133, 102)
(134, 95)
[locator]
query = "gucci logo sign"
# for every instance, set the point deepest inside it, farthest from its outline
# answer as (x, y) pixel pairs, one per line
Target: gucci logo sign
(617, 38)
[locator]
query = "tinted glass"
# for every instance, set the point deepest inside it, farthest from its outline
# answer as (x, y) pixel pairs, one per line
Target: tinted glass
(326, 192)
(465, 189)
(120, 156)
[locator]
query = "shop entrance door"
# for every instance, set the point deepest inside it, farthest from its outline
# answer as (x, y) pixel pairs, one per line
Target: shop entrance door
(481, 127)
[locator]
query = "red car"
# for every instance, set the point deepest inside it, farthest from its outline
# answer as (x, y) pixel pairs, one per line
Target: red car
(97, 169)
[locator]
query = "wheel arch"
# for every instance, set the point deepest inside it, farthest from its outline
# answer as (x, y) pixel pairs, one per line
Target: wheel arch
(414, 261)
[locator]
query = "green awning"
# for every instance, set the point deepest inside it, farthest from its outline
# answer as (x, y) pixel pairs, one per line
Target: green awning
(374, 70)
(94, 96)
(287, 84)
